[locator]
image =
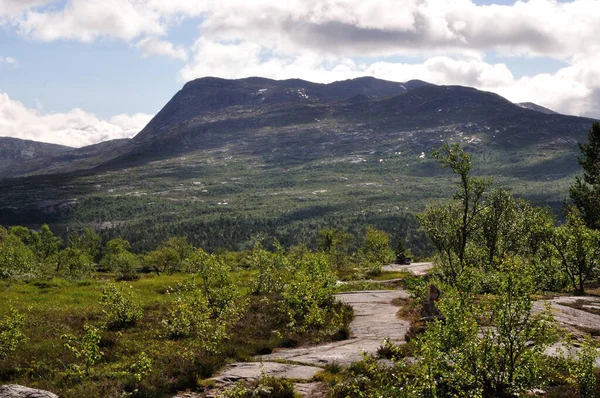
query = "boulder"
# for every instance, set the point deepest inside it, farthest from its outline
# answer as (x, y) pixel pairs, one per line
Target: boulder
(16, 391)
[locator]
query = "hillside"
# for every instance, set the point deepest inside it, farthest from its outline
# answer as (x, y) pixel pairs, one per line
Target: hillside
(227, 160)
(15, 151)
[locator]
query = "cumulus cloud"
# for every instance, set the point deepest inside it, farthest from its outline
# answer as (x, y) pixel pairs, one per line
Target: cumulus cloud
(9, 61)
(11, 8)
(75, 128)
(154, 46)
(324, 40)
(86, 20)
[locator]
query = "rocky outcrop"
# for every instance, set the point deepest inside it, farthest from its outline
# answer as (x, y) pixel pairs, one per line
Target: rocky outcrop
(17, 391)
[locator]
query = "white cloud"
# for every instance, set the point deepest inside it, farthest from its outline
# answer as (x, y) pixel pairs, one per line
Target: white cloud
(86, 20)
(11, 8)
(75, 128)
(9, 61)
(154, 46)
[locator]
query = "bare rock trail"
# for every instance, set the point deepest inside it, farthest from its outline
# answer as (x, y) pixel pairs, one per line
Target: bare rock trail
(374, 320)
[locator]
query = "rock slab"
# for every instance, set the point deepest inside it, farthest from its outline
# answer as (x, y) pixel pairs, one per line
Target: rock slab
(374, 320)
(17, 391)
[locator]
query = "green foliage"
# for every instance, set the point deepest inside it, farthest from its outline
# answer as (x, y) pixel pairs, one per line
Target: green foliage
(187, 317)
(582, 368)
(17, 261)
(461, 217)
(374, 378)
(11, 332)
(170, 256)
(375, 251)
(23, 233)
(74, 263)
(273, 268)
(85, 347)
(120, 260)
(265, 387)
(87, 241)
(214, 281)
(119, 309)
(585, 192)
(337, 246)
(578, 248)
(488, 347)
(308, 295)
(44, 243)
(141, 368)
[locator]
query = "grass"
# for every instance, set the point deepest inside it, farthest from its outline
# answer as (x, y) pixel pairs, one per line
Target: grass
(55, 307)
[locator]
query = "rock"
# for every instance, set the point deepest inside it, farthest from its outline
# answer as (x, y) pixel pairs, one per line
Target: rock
(254, 370)
(430, 311)
(16, 391)
(374, 320)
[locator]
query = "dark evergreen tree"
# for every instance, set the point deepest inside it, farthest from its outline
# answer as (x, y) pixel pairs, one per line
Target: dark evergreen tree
(585, 192)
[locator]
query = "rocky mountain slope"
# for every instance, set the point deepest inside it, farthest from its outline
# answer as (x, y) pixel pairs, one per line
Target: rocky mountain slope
(227, 159)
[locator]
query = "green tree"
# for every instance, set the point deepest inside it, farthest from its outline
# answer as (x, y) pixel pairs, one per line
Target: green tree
(375, 251)
(120, 260)
(215, 282)
(578, 248)
(74, 263)
(452, 226)
(490, 346)
(585, 192)
(24, 234)
(336, 244)
(17, 261)
(170, 256)
(87, 241)
(45, 243)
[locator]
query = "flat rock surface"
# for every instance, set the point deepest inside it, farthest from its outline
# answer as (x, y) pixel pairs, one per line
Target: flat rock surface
(253, 370)
(374, 320)
(415, 268)
(17, 391)
(570, 318)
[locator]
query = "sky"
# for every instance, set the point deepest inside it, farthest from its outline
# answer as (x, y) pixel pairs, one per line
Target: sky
(78, 72)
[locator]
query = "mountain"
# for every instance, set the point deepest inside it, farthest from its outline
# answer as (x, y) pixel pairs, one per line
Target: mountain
(536, 107)
(22, 158)
(14, 151)
(299, 117)
(228, 160)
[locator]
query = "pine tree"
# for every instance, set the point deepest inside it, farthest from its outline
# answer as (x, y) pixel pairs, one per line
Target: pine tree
(585, 192)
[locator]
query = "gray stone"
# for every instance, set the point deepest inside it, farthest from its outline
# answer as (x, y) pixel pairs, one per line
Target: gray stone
(414, 268)
(374, 320)
(254, 370)
(17, 391)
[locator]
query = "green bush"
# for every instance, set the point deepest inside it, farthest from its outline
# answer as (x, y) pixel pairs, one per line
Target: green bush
(11, 332)
(86, 347)
(119, 309)
(265, 387)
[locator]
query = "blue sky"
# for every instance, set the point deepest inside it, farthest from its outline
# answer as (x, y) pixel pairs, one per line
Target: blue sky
(79, 71)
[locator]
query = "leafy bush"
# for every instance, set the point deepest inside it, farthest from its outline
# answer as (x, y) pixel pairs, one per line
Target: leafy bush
(376, 250)
(85, 347)
(74, 263)
(119, 309)
(11, 334)
(120, 260)
(17, 261)
(264, 387)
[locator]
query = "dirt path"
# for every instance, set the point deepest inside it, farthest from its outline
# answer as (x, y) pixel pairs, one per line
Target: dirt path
(375, 319)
